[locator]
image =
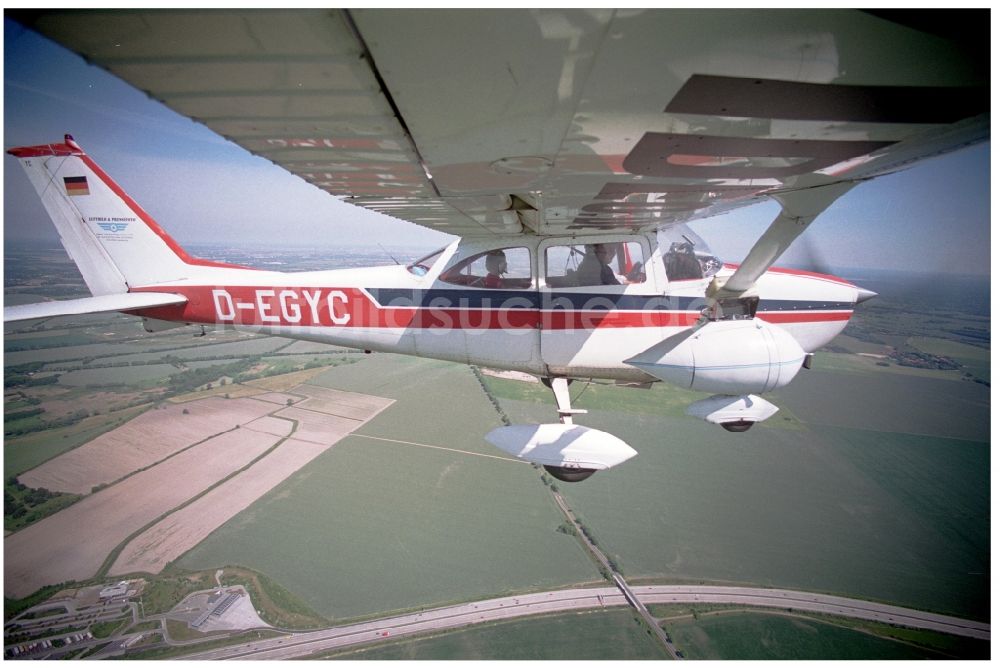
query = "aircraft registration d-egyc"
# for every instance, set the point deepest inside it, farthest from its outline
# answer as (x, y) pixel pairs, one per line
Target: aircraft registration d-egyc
(566, 149)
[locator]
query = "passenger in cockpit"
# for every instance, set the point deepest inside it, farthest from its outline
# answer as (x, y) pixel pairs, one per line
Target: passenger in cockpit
(496, 267)
(681, 262)
(595, 269)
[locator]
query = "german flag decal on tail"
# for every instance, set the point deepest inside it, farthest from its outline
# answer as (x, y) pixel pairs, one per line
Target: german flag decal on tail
(76, 185)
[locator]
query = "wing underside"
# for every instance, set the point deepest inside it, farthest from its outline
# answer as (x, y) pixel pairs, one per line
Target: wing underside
(552, 121)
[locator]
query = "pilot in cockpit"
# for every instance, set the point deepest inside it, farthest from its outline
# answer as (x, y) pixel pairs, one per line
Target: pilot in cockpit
(595, 268)
(496, 267)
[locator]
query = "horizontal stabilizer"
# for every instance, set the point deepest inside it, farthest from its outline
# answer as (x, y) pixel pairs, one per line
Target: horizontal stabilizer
(126, 301)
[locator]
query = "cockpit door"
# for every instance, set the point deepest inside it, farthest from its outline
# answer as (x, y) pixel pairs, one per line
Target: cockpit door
(484, 307)
(601, 297)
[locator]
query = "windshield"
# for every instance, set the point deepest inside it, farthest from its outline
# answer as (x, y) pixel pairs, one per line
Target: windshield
(686, 256)
(423, 265)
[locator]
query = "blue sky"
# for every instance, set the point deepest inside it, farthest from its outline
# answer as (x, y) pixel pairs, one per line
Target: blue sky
(202, 188)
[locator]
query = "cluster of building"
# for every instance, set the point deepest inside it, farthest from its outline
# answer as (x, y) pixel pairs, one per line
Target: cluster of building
(217, 607)
(56, 626)
(123, 589)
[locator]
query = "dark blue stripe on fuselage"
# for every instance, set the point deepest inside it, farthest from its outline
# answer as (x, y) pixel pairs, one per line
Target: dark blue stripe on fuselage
(571, 301)
(774, 305)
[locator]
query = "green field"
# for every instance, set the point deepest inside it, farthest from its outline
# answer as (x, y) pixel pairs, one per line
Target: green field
(822, 508)
(890, 516)
(374, 526)
(123, 375)
(753, 636)
(44, 340)
(232, 344)
(852, 345)
(974, 360)
(949, 348)
(596, 635)
(890, 403)
(72, 352)
(660, 399)
(311, 347)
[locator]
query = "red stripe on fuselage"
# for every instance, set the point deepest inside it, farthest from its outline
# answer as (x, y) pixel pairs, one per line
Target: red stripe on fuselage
(254, 306)
(278, 306)
(568, 320)
(786, 317)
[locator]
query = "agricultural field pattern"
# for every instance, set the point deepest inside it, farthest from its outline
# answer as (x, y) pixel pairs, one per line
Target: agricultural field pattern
(337, 488)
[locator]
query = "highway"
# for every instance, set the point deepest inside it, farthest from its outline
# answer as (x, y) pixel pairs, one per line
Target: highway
(809, 602)
(305, 644)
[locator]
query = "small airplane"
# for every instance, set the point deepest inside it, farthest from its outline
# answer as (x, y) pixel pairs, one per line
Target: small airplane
(589, 141)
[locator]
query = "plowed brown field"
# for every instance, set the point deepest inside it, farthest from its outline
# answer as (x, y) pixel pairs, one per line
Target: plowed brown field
(173, 457)
(73, 543)
(149, 438)
(180, 531)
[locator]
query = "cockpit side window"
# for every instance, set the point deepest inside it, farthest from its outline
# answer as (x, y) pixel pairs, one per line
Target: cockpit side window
(498, 269)
(687, 257)
(582, 265)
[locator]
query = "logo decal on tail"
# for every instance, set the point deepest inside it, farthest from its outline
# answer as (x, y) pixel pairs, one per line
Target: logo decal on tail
(112, 227)
(76, 185)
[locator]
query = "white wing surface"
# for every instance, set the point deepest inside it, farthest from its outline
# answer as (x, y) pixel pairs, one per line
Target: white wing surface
(102, 304)
(551, 120)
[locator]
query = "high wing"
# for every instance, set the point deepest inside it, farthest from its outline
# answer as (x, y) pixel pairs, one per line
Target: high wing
(555, 121)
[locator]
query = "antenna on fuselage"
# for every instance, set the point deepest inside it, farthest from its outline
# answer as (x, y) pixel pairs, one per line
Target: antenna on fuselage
(388, 253)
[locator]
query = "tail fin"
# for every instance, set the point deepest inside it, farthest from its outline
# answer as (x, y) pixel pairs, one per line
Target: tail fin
(115, 244)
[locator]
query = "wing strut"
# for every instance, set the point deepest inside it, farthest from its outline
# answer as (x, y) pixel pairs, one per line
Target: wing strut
(560, 388)
(737, 295)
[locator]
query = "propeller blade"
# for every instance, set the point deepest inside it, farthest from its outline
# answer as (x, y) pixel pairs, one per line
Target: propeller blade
(812, 258)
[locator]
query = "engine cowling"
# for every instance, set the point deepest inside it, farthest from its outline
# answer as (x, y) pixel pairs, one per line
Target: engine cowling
(725, 357)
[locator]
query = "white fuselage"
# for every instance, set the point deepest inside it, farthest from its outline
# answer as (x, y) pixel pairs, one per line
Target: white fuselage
(534, 327)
